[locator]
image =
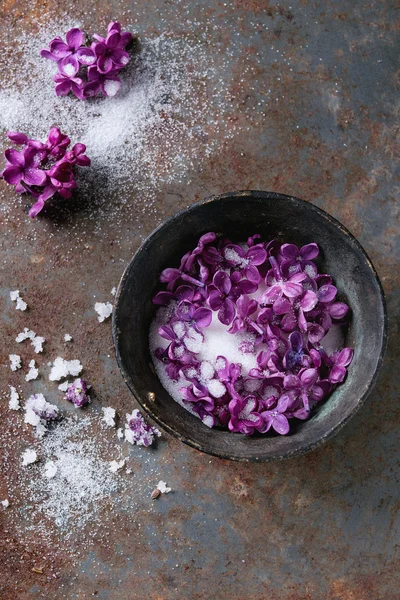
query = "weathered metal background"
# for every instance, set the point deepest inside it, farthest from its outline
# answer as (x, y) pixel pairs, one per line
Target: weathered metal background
(321, 527)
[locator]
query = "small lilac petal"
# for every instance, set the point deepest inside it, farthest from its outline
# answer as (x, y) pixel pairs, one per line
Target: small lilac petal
(271, 295)
(283, 403)
(36, 208)
(104, 64)
(296, 341)
(288, 322)
(49, 55)
(74, 38)
(309, 377)
(15, 158)
(47, 193)
(167, 333)
(12, 175)
(308, 301)
(309, 251)
(222, 282)
(302, 322)
(17, 137)
(315, 332)
(162, 298)
(282, 306)
(215, 300)
(59, 48)
(298, 277)
(113, 39)
(337, 374)
(257, 255)
(120, 57)
(169, 275)
(63, 88)
(289, 251)
(344, 357)
(247, 287)
(91, 89)
(227, 312)
(202, 316)
(125, 39)
(281, 424)
(114, 26)
(291, 382)
(34, 177)
(292, 290)
(327, 293)
(337, 310)
(252, 274)
(86, 56)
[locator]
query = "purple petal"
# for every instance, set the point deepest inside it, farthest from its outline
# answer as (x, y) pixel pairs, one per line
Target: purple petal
(337, 310)
(99, 48)
(49, 55)
(302, 322)
(47, 193)
(281, 424)
(308, 301)
(344, 357)
(337, 374)
(34, 177)
(282, 306)
(126, 38)
(222, 282)
(288, 322)
(74, 38)
(167, 333)
(215, 300)
(63, 88)
(169, 275)
(252, 274)
(291, 382)
(247, 287)
(91, 89)
(12, 175)
(292, 290)
(309, 252)
(114, 26)
(315, 332)
(202, 316)
(309, 377)
(289, 251)
(327, 293)
(113, 39)
(298, 277)
(104, 64)
(162, 298)
(283, 403)
(86, 56)
(227, 312)
(59, 48)
(120, 57)
(69, 66)
(17, 137)
(36, 208)
(271, 295)
(296, 341)
(15, 158)
(257, 255)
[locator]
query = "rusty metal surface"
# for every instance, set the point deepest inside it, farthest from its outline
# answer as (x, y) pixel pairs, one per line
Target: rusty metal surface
(321, 526)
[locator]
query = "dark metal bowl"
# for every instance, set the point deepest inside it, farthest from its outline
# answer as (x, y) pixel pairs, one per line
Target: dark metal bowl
(238, 215)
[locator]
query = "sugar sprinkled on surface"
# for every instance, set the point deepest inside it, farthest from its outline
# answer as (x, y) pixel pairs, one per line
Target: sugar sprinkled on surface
(29, 457)
(162, 486)
(5, 503)
(108, 416)
(33, 372)
(15, 297)
(67, 337)
(50, 469)
(13, 403)
(15, 362)
(116, 465)
(62, 368)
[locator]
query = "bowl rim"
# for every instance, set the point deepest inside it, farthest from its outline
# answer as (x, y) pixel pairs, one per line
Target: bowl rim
(170, 428)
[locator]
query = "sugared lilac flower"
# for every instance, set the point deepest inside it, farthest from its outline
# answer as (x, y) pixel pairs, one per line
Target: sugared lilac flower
(137, 431)
(42, 409)
(275, 368)
(77, 393)
(43, 169)
(103, 61)
(244, 415)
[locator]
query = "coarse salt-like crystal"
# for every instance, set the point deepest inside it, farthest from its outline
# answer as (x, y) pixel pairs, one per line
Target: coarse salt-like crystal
(193, 340)
(13, 403)
(29, 457)
(64, 386)
(116, 466)
(5, 503)
(69, 70)
(38, 411)
(108, 416)
(67, 337)
(104, 310)
(62, 368)
(50, 469)
(206, 370)
(37, 344)
(33, 372)
(113, 291)
(216, 388)
(36, 341)
(15, 297)
(162, 486)
(111, 87)
(15, 362)
(120, 433)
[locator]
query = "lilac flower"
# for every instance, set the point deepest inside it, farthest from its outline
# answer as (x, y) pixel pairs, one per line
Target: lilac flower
(195, 317)
(279, 286)
(306, 384)
(268, 365)
(340, 361)
(58, 49)
(245, 307)
(109, 53)
(42, 409)
(172, 276)
(197, 395)
(247, 261)
(244, 415)
(138, 431)
(107, 83)
(225, 291)
(331, 310)
(66, 79)
(300, 260)
(276, 418)
(176, 357)
(295, 355)
(228, 373)
(56, 143)
(23, 168)
(77, 393)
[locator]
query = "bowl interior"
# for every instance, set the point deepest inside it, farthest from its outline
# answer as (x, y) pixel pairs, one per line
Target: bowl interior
(238, 215)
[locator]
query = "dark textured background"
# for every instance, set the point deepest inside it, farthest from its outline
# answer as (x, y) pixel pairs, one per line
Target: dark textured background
(323, 526)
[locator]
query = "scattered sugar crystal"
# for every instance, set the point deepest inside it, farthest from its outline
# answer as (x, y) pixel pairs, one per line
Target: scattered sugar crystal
(69, 69)
(206, 370)
(50, 469)
(37, 344)
(108, 416)
(116, 466)
(216, 388)
(33, 372)
(193, 340)
(64, 386)
(15, 297)
(162, 486)
(128, 471)
(38, 411)
(120, 433)
(67, 337)
(29, 457)
(62, 368)
(252, 385)
(208, 420)
(104, 310)
(113, 291)
(179, 329)
(15, 362)
(13, 403)
(25, 335)
(111, 87)
(5, 503)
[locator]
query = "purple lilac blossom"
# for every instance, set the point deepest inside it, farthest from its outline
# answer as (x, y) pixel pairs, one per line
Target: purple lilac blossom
(87, 71)
(294, 309)
(43, 169)
(77, 393)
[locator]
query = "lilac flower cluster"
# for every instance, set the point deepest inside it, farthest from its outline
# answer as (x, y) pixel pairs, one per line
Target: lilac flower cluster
(43, 168)
(77, 393)
(272, 293)
(87, 71)
(138, 431)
